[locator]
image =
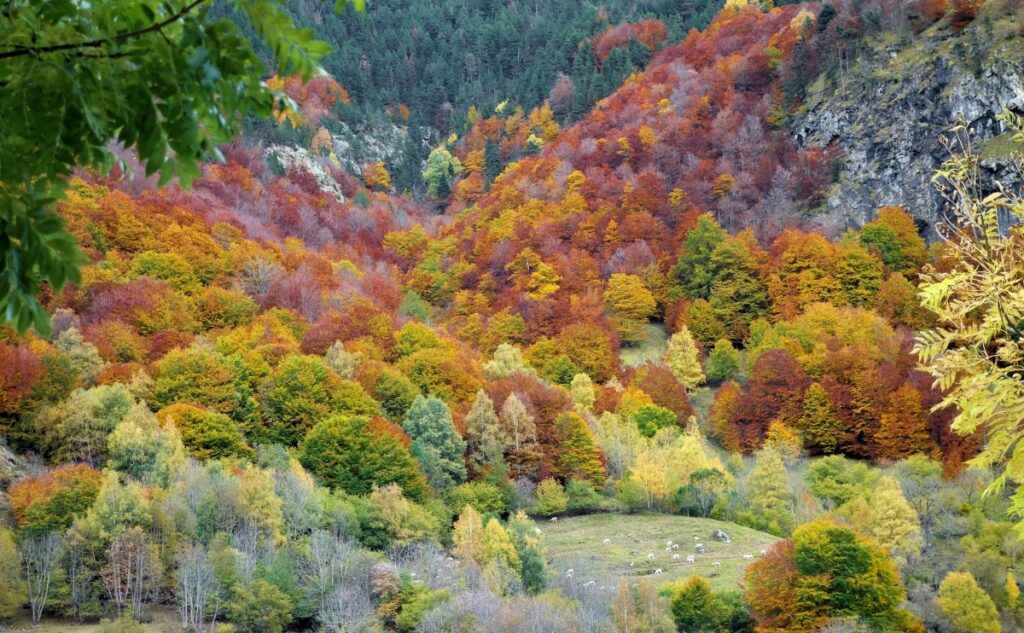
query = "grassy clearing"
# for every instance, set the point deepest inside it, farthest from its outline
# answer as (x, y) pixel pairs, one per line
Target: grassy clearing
(164, 620)
(578, 543)
(651, 348)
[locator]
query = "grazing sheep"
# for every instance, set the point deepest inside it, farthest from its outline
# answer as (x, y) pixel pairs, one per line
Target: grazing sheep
(669, 544)
(590, 584)
(696, 539)
(700, 548)
(716, 564)
(675, 556)
(748, 556)
(554, 519)
(634, 552)
(569, 573)
(607, 541)
(675, 546)
(691, 558)
(650, 557)
(657, 571)
(537, 530)
(764, 552)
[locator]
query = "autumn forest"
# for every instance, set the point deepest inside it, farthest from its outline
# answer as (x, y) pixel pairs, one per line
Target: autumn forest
(416, 317)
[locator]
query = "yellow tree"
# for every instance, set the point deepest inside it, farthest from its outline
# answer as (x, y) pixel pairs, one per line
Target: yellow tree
(468, 536)
(683, 358)
(976, 352)
(630, 304)
(895, 522)
(966, 605)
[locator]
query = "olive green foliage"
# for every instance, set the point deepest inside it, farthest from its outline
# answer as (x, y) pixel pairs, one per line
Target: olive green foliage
(723, 362)
(436, 444)
(163, 77)
(345, 452)
(697, 609)
(551, 498)
(11, 589)
(302, 391)
(652, 418)
(259, 607)
(836, 479)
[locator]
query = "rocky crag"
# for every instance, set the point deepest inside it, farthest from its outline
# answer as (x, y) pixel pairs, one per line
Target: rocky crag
(888, 111)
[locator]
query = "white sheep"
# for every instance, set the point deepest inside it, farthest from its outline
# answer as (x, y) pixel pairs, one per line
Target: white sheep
(657, 571)
(764, 552)
(536, 530)
(569, 573)
(691, 558)
(554, 519)
(590, 584)
(675, 556)
(748, 556)
(716, 564)
(696, 539)
(650, 556)
(669, 544)
(675, 546)
(607, 541)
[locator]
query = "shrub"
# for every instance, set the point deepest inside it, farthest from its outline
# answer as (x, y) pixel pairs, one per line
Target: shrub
(551, 498)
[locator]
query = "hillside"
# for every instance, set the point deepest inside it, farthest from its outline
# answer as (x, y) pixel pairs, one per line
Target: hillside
(513, 289)
(421, 65)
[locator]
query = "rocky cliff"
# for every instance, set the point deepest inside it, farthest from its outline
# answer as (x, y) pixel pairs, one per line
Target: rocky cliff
(889, 109)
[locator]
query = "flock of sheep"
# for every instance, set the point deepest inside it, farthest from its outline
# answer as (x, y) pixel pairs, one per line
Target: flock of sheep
(672, 548)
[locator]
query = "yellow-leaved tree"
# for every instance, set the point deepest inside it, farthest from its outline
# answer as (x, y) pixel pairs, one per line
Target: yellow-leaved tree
(975, 351)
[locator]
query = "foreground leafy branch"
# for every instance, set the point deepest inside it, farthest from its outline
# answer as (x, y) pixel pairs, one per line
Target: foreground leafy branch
(161, 77)
(976, 353)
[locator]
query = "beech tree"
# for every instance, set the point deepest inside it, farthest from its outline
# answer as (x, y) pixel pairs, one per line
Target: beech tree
(723, 362)
(355, 454)
(904, 429)
(966, 605)
(630, 304)
(826, 571)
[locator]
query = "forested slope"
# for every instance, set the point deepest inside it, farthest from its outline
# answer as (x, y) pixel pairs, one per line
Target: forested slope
(291, 397)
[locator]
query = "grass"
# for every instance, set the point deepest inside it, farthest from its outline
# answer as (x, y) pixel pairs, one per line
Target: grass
(651, 348)
(164, 620)
(578, 543)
